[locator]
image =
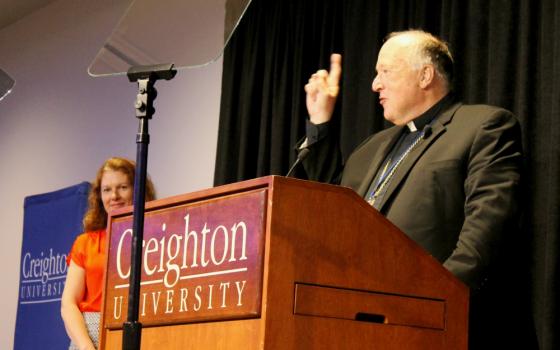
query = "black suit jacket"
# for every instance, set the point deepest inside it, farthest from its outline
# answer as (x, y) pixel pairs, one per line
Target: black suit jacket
(456, 193)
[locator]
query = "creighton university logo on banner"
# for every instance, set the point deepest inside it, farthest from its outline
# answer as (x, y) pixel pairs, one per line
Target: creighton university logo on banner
(42, 277)
(51, 223)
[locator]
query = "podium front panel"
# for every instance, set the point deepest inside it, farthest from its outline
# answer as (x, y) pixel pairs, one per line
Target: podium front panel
(201, 261)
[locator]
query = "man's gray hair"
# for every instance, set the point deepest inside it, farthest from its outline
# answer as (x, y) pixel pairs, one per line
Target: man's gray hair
(430, 50)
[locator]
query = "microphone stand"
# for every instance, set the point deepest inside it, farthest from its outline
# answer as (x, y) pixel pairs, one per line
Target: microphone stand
(302, 154)
(146, 76)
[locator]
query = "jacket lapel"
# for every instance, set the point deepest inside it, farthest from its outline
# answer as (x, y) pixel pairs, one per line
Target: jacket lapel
(380, 153)
(438, 128)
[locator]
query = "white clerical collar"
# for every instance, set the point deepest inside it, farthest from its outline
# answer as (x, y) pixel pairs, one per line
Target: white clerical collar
(411, 126)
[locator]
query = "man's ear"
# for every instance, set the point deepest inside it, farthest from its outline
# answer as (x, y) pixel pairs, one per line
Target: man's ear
(427, 75)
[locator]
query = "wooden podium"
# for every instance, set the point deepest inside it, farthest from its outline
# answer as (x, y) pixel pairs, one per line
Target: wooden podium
(278, 263)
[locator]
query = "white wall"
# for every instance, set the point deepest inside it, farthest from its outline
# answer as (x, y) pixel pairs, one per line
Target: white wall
(59, 124)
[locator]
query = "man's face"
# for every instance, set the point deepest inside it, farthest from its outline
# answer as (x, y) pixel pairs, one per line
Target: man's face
(397, 82)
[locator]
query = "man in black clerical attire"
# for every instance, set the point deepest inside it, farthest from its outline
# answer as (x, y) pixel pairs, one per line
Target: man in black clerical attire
(447, 174)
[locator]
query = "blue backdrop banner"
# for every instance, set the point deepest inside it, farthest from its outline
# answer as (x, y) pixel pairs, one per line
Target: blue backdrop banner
(51, 222)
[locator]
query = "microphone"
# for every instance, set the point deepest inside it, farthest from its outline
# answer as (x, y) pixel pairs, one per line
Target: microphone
(302, 154)
(427, 131)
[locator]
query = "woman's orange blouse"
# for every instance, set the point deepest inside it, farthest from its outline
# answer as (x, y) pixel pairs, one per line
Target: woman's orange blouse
(88, 252)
